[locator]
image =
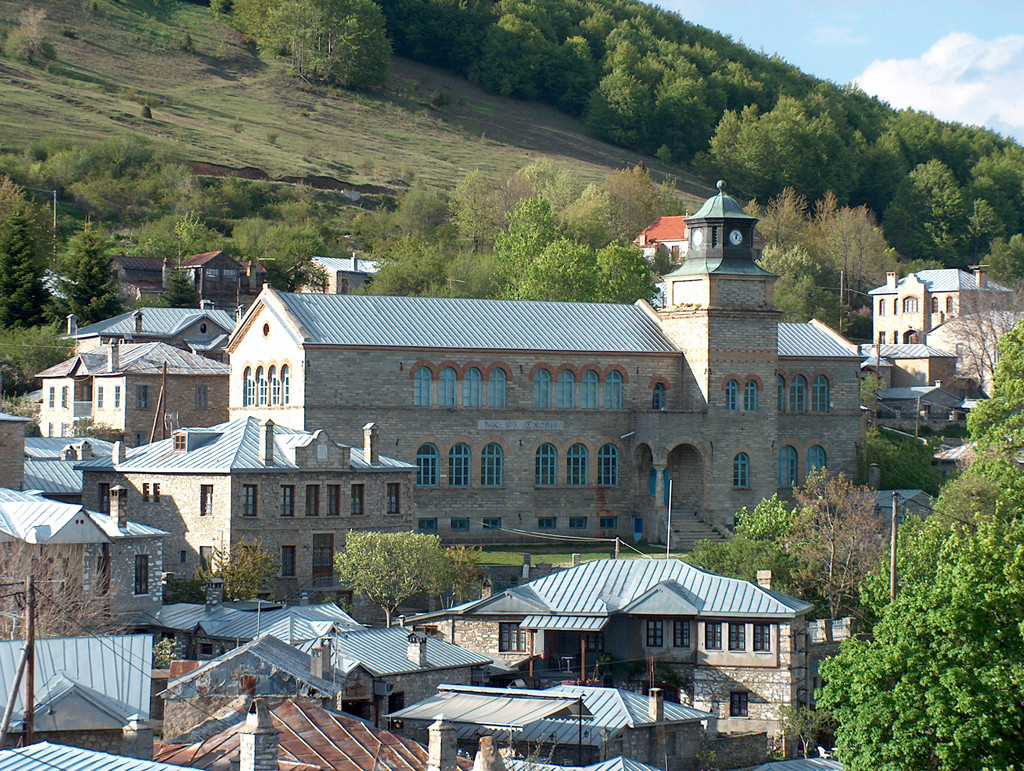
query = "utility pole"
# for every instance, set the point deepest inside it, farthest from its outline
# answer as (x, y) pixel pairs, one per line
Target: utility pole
(30, 659)
(668, 528)
(892, 548)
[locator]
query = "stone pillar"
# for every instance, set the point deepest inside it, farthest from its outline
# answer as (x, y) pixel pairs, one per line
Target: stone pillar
(258, 740)
(487, 757)
(137, 740)
(441, 750)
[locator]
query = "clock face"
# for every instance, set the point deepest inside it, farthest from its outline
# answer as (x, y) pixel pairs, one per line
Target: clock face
(697, 238)
(735, 238)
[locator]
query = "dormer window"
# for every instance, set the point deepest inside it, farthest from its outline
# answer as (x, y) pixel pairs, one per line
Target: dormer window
(180, 442)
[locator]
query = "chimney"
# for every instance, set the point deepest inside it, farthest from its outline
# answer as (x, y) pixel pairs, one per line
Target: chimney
(486, 588)
(267, 442)
(355, 262)
(118, 506)
(119, 454)
(113, 356)
(575, 560)
(137, 318)
(874, 476)
(258, 739)
(214, 591)
(981, 277)
(320, 660)
(137, 739)
(371, 454)
(418, 648)
(165, 273)
(206, 305)
(890, 280)
(442, 747)
(72, 324)
(656, 705)
(250, 271)
(764, 579)
(239, 312)
(487, 757)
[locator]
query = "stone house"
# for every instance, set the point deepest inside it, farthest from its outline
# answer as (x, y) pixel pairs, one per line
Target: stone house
(202, 330)
(570, 417)
(129, 392)
(50, 465)
(913, 406)
(913, 364)
(738, 650)
(215, 276)
(298, 492)
(344, 275)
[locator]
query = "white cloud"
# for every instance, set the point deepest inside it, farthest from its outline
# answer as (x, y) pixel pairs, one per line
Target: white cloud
(833, 35)
(961, 78)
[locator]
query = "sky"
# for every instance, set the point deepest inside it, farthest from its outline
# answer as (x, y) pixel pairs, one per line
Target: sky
(961, 61)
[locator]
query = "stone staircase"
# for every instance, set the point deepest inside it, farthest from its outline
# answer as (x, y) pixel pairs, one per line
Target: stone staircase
(686, 531)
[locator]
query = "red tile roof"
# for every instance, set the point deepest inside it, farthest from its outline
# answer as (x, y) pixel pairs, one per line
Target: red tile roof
(312, 739)
(668, 228)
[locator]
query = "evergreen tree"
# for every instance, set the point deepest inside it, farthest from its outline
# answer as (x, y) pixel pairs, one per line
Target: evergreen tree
(89, 286)
(22, 295)
(179, 292)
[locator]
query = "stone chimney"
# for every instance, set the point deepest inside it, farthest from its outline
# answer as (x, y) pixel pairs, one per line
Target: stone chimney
(764, 579)
(137, 318)
(113, 356)
(118, 506)
(486, 588)
(137, 739)
(214, 591)
(487, 757)
(656, 705)
(72, 324)
(267, 442)
(576, 560)
(981, 277)
(441, 750)
(206, 305)
(118, 454)
(417, 652)
(371, 453)
(874, 476)
(258, 740)
(355, 262)
(890, 280)
(320, 660)
(165, 273)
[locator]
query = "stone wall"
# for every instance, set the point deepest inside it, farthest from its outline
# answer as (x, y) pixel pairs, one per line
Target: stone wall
(12, 452)
(737, 750)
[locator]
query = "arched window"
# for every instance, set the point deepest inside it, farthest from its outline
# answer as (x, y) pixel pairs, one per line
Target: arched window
(546, 465)
(787, 466)
(422, 382)
(565, 391)
(608, 466)
(881, 307)
(613, 391)
(798, 394)
(426, 465)
(491, 466)
(741, 470)
(658, 396)
(248, 388)
(275, 388)
(781, 381)
(732, 396)
(910, 305)
(750, 396)
(471, 386)
(446, 388)
(458, 465)
(819, 394)
(496, 388)
(286, 385)
(576, 465)
(935, 305)
(588, 390)
(542, 390)
(816, 458)
(261, 386)
(949, 305)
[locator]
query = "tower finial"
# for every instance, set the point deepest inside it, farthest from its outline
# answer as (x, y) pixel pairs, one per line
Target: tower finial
(720, 184)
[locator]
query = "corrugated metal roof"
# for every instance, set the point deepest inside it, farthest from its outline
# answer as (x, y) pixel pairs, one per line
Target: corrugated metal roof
(802, 764)
(54, 477)
(28, 516)
(117, 666)
(942, 280)
(187, 616)
(231, 446)
(53, 446)
(810, 341)
(908, 392)
(603, 587)
(47, 757)
(385, 651)
(158, 322)
(906, 351)
(619, 763)
(493, 325)
(964, 451)
(346, 264)
(499, 709)
(8, 418)
(139, 358)
(565, 623)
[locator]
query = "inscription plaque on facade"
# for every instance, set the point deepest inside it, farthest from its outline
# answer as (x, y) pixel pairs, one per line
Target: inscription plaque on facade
(520, 425)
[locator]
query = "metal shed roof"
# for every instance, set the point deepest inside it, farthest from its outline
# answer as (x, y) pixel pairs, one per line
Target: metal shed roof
(906, 351)
(138, 358)
(565, 623)
(618, 763)
(493, 325)
(943, 280)
(47, 757)
(158, 322)
(501, 709)
(813, 341)
(347, 264)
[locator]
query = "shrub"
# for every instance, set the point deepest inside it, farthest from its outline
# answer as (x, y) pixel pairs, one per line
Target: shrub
(146, 112)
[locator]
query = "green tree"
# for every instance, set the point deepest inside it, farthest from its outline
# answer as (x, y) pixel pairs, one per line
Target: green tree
(22, 296)
(388, 568)
(89, 285)
(927, 218)
(24, 351)
(245, 568)
(179, 292)
(1006, 258)
(806, 725)
(285, 250)
(460, 575)
(904, 462)
(624, 275)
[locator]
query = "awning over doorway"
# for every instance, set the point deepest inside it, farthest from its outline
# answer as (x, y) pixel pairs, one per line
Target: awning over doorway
(499, 710)
(565, 623)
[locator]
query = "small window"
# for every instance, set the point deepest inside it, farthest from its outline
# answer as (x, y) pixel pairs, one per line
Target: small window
(182, 556)
(542, 390)
(156, 492)
(248, 388)
(820, 394)
(741, 470)
(64, 396)
(613, 391)
(492, 466)
(608, 466)
(446, 388)
(609, 523)
(51, 403)
(576, 465)
(762, 637)
(816, 458)
(565, 391)
(426, 465)
(427, 524)
(312, 500)
(180, 442)
(358, 500)
(142, 397)
(658, 396)
(275, 387)
(117, 397)
(458, 465)
(511, 638)
(787, 466)
(249, 500)
(737, 637)
(496, 387)
(738, 703)
(588, 390)
(545, 465)
(732, 396)
(141, 574)
(712, 636)
(750, 396)
(910, 305)
(286, 385)
(798, 394)
(681, 633)
(99, 397)
(202, 397)
(577, 523)
(471, 387)
(288, 561)
(205, 500)
(655, 633)
(333, 500)
(491, 523)
(460, 523)
(949, 305)
(881, 307)
(394, 496)
(422, 382)
(881, 338)
(547, 523)
(287, 500)
(145, 492)
(935, 305)
(261, 387)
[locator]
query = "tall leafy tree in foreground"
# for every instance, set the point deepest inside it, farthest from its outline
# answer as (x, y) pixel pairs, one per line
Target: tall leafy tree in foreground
(22, 295)
(89, 286)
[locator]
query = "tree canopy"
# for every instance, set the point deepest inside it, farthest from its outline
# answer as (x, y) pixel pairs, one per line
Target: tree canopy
(89, 287)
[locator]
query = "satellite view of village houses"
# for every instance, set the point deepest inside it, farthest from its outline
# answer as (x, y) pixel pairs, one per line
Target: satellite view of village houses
(511, 385)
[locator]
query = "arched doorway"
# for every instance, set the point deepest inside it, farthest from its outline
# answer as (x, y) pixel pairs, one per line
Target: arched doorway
(644, 500)
(686, 472)
(910, 337)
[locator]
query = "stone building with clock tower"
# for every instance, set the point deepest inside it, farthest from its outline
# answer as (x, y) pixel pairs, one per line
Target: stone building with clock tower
(572, 418)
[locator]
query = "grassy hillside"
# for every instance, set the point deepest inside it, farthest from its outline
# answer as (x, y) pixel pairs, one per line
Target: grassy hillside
(219, 103)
